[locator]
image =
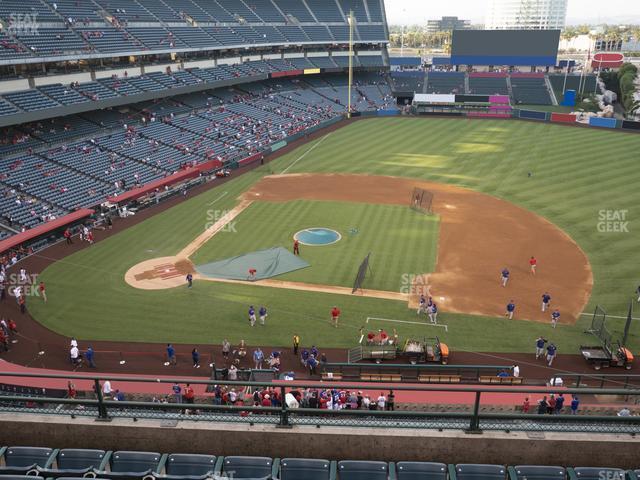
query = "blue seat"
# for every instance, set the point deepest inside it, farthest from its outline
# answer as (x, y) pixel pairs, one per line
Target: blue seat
(537, 472)
(421, 471)
(473, 471)
(247, 468)
(362, 470)
(71, 462)
(189, 466)
(24, 460)
(596, 473)
(307, 468)
(125, 465)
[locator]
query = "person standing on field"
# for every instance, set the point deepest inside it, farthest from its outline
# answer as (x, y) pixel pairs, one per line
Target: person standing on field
(43, 292)
(504, 276)
(533, 263)
(335, 316)
(296, 343)
(511, 307)
(546, 300)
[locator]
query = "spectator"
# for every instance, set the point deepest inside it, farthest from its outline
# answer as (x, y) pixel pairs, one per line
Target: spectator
(382, 401)
(516, 371)
(559, 403)
(551, 408)
(177, 393)
(233, 373)
(625, 412)
(189, 395)
(526, 405)
(391, 401)
(118, 396)
(258, 358)
(542, 405)
(575, 404)
(106, 389)
(226, 348)
(71, 390)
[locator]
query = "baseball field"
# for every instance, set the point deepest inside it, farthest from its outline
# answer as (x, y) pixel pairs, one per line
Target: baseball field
(503, 191)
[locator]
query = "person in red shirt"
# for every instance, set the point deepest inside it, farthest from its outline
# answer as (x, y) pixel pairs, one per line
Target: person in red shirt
(296, 247)
(533, 263)
(43, 291)
(67, 236)
(188, 394)
(335, 316)
(252, 274)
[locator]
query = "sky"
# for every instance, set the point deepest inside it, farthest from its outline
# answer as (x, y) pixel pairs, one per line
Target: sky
(579, 11)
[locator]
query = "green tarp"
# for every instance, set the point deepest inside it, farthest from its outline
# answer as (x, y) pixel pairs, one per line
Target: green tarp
(267, 263)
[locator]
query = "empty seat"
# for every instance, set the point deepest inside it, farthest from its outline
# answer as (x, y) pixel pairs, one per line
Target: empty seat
(245, 468)
(22, 460)
(362, 470)
(71, 462)
(597, 473)
(537, 472)
(20, 477)
(307, 468)
(468, 471)
(421, 471)
(188, 466)
(132, 465)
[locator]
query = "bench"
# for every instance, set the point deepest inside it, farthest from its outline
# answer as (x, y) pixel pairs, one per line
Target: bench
(439, 378)
(368, 377)
(500, 380)
(331, 376)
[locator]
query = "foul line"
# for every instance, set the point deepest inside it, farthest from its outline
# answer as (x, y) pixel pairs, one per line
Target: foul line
(219, 197)
(305, 153)
(426, 324)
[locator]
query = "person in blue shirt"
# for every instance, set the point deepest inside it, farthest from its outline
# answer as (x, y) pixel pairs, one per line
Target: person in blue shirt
(551, 353)
(312, 363)
(540, 342)
(422, 305)
(559, 403)
(304, 356)
(575, 403)
(503, 374)
(546, 299)
(555, 315)
(88, 356)
(252, 315)
(177, 393)
(118, 396)
(195, 356)
(433, 313)
(511, 307)
(258, 358)
(171, 355)
(504, 276)
(263, 314)
(189, 280)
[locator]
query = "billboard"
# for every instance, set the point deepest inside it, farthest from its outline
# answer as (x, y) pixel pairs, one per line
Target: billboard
(505, 47)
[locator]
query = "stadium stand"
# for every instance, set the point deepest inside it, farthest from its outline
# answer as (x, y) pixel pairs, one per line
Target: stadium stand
(573, 82)
(530, 90)
(445, 82)
(41, 462)
(488, 84)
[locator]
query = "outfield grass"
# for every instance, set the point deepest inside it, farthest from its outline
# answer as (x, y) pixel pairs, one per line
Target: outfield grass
(576, 173)
(402, 240)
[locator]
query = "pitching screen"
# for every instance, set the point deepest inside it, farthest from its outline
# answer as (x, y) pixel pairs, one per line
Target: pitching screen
(505, 47)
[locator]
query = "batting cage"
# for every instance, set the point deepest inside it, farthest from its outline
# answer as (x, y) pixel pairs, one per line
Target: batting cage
(599, 326)
(362, 273)
(421, 200)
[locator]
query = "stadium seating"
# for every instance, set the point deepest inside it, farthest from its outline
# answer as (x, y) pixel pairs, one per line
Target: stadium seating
(470, 471)
(488, 85)
(445, 82)
(573, 82)
(249, 468)
(188, 467)
(362, 470)
(124, 465)
(74, 462)
(421, 471)
(309, 469)
(530, 91)
(25, 460)
(595, 473)
(536, 472)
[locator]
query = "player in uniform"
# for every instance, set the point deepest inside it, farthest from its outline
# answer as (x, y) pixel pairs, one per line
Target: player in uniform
(504, 276)
(263, 314)
(555, 315)
(540, 341)
(252, 316)
(189, 280)
(252, 274)
(433, 313)
(296, 247)
(546, 299)
(422, 305)
(511, 307)
(533, 263)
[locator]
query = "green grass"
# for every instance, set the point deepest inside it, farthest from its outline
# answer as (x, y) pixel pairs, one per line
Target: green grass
(402, 240)
(576, 173)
